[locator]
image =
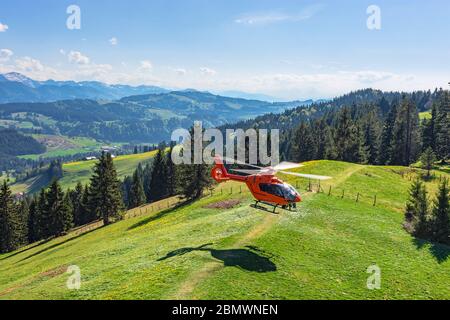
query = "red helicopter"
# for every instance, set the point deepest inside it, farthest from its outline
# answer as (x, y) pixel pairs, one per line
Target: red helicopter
(263, 184)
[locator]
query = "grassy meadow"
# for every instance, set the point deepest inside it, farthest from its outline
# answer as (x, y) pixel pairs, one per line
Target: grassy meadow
(81, 171)
(210, 249)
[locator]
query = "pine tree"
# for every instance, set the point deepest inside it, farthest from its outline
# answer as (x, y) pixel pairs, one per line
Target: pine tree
(105, 196)
(23, 213)
(428, 158)
(406, 135)
(304, 146)
(158, 181)
(442, 128)
(9, 236)
(86, 212)
(33, 233)
(171, 172)
(348, 138)
(59, 210)
(193, 179)
(76, 199)
(371, 134)
(136, 195)
(43, 221)
(416, 211)
(146, 180)
(386, 139)
(441, 214)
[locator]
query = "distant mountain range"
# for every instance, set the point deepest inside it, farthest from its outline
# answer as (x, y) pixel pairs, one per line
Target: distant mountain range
(139, 118)
(15, 87)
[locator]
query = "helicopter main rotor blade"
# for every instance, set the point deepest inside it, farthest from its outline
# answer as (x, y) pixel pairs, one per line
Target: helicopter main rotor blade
(287, 165)
(305, 175)
(232, 161)
(247, 171)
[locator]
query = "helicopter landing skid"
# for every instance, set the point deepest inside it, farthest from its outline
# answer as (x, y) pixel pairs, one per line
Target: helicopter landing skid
(290, 208)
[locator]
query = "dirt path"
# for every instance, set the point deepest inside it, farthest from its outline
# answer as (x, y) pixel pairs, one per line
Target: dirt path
(346, 174)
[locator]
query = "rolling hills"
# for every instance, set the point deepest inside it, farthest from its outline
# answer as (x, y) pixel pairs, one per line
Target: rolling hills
(149, 118)
(211, 250)
(81, 171)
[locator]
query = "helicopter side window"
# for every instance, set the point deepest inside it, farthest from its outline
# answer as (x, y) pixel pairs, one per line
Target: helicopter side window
(274, 189)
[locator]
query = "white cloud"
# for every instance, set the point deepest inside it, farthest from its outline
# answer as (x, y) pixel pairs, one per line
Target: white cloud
(179, 71)
(28, 64)
(62, 51)
(3, 27)
(146, 66)
(263, 18)
(208, 71)
(5, 54)
(114, 41)
(78, 58)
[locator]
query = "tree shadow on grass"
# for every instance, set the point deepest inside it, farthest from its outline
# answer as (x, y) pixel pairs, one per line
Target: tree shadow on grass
(250, 259)
(159, 215)
(60, 243)
(32, 246)
(439, 251)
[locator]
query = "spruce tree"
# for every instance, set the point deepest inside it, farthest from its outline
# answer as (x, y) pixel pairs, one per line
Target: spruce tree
(406, 134)
(416, 211)
(442, 128)
(158, 181)
(104, 191)
(136, 195)
(43, 221)
(386, 139)
(76, 199)
(23, 212)
(59, 210)
(171, 172)
(32, 221)
(441, 214)
(193, 179)
(9, 236)
(304, 146)
(428, 158)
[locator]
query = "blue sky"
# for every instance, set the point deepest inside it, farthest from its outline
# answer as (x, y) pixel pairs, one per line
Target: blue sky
(287, 49)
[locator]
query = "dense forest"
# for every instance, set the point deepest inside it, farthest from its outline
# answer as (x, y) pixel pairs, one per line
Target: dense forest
(366, 126)
(15, 144)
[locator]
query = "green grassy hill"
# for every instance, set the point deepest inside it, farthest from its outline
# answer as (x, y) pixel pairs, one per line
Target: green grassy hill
(213, 250)
(81, 171)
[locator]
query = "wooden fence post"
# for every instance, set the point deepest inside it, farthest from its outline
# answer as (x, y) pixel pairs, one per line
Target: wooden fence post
(374, 200)
(329, 191)
(357, 197)
(309, 185)
(343, 192)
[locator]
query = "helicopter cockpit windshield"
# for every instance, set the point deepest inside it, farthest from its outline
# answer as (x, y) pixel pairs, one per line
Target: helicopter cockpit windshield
(285, 190)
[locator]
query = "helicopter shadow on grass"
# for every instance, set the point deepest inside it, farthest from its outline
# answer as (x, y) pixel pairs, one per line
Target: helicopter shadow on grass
(251, 258)
(440, 252)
